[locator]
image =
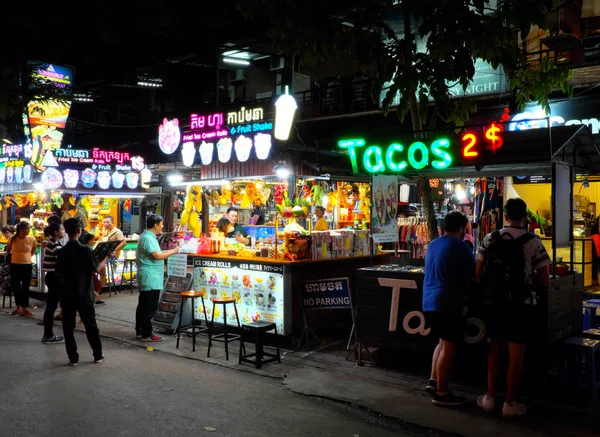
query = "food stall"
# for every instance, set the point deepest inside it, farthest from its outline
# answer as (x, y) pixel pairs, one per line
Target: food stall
(19, 201)
(93, 184)
(236, 162)
(389, 312)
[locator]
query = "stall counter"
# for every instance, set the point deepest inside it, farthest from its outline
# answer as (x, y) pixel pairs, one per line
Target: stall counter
(267, 289)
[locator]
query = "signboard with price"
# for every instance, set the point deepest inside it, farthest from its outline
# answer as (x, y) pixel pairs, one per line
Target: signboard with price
(258, 288)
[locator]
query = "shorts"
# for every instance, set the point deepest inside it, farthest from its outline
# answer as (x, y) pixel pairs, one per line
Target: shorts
(449, 326)
(513, 325)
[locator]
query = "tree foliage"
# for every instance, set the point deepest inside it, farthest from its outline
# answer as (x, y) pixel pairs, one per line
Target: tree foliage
(421, 47)
(455, 34)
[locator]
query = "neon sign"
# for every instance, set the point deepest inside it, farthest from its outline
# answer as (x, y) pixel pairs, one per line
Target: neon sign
(169, 136)
(418, 156)
(245, 116)
(471, 141)
(98, 157)
(199, 122)
(8, 150)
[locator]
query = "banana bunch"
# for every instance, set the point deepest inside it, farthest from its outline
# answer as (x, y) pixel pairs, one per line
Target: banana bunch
(317, 193)
(365, 201)
(212, 197)
(192, 208)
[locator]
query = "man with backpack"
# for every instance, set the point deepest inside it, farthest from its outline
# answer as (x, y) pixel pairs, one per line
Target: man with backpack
(449, 268)
(509, 263)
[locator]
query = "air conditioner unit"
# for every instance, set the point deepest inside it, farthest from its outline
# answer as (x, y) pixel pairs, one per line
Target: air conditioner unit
(277, 63)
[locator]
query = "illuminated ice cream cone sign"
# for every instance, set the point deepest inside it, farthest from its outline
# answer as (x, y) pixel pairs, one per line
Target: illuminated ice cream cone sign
(285, 108)
(262, 145)
(206, 152)
(188, 152)
(243, 146)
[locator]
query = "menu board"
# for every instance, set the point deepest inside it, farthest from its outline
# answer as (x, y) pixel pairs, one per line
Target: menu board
(170, 302)
(257, 288)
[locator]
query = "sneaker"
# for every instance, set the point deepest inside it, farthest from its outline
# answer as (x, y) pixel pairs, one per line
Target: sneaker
(151, 338)
(511, 411)
(73, 363)
(55, 339)
(26, 312)
(17, 312)
(99, 303)
(99, 360)
(431, 387)
(447, 400)
(486, 403)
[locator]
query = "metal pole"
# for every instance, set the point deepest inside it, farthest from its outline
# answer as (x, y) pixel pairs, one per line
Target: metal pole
(553, 219)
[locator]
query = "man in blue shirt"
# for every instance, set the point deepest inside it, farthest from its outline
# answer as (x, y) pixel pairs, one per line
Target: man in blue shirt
(449, 266)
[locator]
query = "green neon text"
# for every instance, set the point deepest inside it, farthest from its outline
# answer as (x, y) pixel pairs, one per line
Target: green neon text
(418, 155)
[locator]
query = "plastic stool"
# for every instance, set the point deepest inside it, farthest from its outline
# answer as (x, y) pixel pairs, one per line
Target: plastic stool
(594, 334)
(259, 329)
(192, 295)
(225, 337)
(582, 353)
(589, 315)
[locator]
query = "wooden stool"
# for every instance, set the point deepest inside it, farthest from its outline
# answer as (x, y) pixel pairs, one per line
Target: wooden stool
(127, 262)
(582, 353)
(225, 337)
(259, 329)
(110, 277)
(9, 294)
(192, 295)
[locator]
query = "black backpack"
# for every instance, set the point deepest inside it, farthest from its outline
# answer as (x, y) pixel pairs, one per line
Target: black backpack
(505, 270)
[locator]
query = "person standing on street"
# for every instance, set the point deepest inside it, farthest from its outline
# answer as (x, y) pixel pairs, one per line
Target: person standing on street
(55, 231)
(449, 268)
(75, 264)
(151, 277)
(510, 263)
(21, 248)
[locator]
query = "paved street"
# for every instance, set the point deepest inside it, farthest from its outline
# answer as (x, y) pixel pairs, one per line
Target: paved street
(140, 393)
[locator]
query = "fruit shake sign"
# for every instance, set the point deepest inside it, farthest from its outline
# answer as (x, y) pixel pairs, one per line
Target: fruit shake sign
(87, 169)
(219, 136)
(15, 165)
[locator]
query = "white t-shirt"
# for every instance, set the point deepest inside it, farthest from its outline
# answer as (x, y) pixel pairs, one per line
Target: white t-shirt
(534, 251)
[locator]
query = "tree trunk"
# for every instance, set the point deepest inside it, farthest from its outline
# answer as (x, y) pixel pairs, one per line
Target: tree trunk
(417, 125)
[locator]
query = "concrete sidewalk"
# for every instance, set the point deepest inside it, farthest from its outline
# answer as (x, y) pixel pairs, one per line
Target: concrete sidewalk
(324, 372)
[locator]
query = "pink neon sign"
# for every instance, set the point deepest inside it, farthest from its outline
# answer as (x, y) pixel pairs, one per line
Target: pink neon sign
(199, 136)
(200, 122)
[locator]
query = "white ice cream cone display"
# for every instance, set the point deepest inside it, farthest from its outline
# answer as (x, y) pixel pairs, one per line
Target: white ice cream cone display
(243, 146)
(117, 180)
(206, 152)
(224, 146)
(262, 145)
(71, 178)
(188, 153)
(104, 180)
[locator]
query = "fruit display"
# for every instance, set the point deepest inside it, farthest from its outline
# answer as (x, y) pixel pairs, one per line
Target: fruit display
(192, 208)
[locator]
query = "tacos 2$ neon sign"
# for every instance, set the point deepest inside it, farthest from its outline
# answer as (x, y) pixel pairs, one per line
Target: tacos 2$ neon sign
(396, 158)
